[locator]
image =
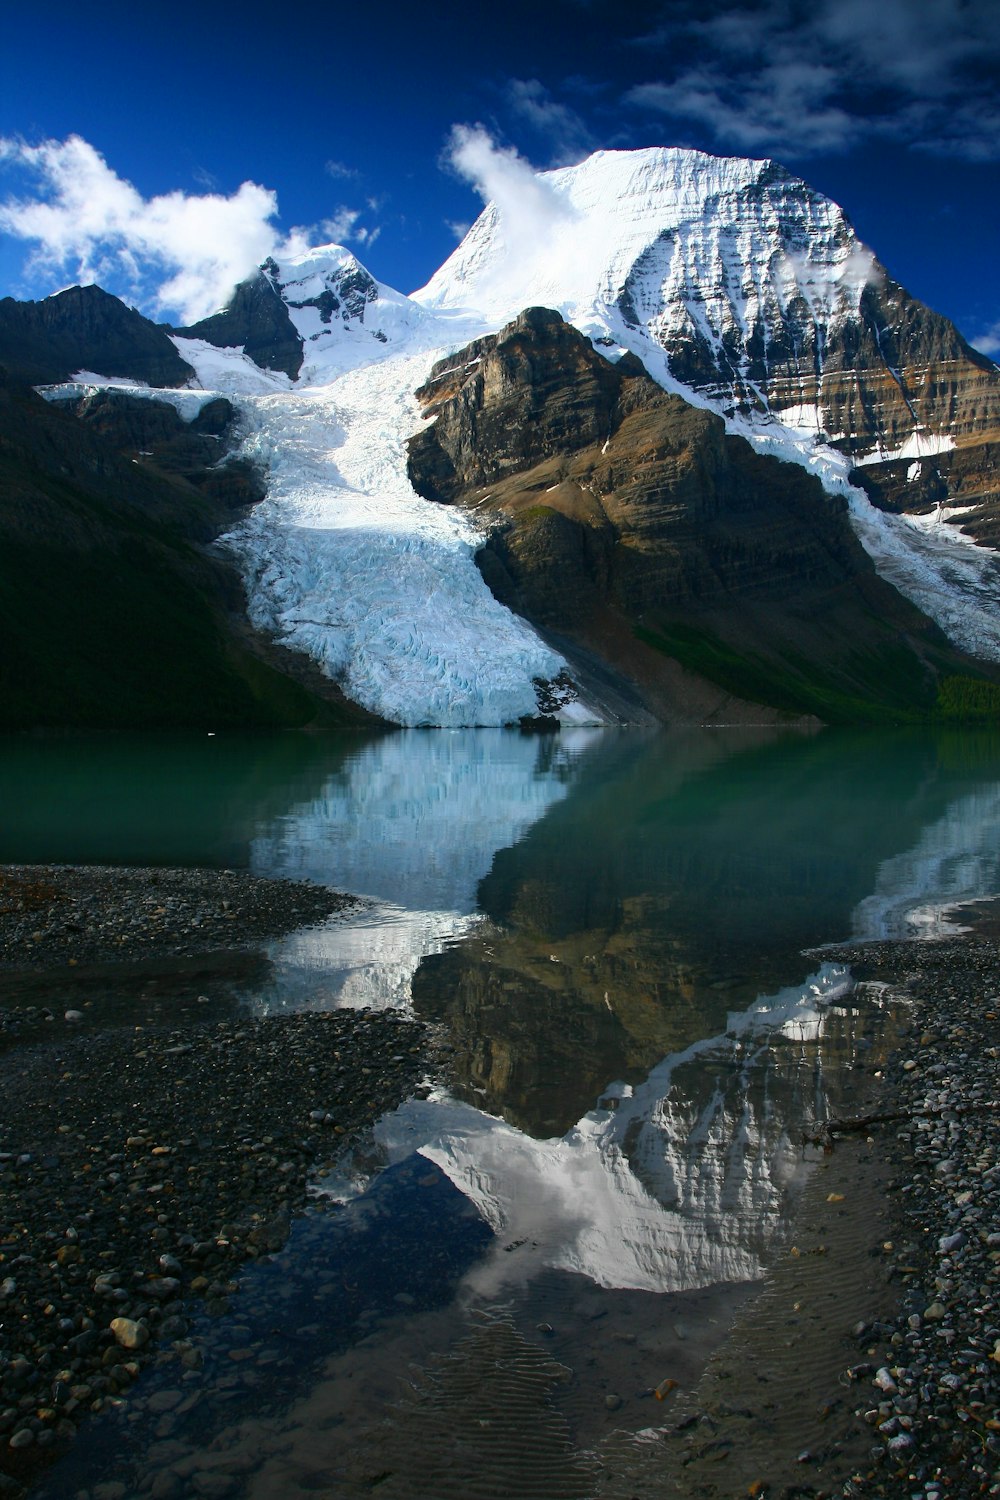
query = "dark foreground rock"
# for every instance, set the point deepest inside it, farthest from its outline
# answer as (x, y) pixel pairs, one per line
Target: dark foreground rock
(139, 1168)
(74, 914)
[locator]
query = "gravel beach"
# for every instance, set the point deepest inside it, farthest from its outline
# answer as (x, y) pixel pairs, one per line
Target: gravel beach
(141, 1165)
(71, 914)
(869, 1365)
(928, 1381)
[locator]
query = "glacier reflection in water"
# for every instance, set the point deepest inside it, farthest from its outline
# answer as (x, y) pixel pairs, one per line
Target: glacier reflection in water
(608, 930)
(412, 824)
(956, 860)
(485, 850)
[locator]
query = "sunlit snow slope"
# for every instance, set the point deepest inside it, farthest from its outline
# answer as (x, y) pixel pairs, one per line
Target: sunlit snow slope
(655, 247)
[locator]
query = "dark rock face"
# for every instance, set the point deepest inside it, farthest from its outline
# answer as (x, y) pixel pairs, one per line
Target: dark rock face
(112, 613)
(85, 328)
(154, 436)
(257, 320)
(354, 293)
(627, 521)
(901, 365)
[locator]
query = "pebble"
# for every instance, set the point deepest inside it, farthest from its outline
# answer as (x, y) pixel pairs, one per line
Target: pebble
(938, 1391)
(129, 1334)
(187, 1151)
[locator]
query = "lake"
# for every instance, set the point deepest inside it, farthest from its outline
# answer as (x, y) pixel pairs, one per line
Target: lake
(619, 935)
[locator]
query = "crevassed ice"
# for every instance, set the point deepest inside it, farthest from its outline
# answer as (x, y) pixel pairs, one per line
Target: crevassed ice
(344, 562)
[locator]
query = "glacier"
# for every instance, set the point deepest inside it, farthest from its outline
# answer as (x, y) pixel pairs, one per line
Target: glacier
(343, 561)
(380, 587)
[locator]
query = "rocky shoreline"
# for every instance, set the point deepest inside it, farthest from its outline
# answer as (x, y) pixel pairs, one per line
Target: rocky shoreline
(927, 1381)
(869, 1366)
(142, 1165)
(79, 914)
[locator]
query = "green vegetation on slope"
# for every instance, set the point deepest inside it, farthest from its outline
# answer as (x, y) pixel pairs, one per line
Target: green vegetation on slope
(890, 685)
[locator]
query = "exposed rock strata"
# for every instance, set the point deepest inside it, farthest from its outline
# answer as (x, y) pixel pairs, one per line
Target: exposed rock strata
(962, 486)
(626, 520)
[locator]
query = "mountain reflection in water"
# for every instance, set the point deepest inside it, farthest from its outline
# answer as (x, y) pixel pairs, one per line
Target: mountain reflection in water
(608, 929)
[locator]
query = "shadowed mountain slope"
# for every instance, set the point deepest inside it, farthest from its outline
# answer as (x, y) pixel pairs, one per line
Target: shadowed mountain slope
(628, 522)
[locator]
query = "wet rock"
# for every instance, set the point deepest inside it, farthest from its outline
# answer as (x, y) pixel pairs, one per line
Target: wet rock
(129, 1333)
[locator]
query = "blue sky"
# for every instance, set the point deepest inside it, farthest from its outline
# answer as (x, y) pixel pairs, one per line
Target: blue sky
(199, 139)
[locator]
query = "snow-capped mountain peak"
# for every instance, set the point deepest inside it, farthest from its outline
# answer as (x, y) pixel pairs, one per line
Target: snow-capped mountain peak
(737, 286)
(665, 240)
(330, 295)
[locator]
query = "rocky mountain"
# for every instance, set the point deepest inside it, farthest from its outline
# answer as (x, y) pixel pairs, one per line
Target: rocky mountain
(85, 328)
(718, 479)
(626, 521)
(751, 288)
(738, 282)
(298, 317)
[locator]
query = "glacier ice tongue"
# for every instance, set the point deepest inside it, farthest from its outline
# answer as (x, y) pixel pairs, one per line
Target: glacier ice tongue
(345, 562)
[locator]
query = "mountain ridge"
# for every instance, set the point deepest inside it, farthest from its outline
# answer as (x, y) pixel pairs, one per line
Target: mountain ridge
(734, 287)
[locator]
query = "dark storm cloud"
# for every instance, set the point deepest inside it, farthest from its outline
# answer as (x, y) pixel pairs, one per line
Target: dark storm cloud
(797, 79)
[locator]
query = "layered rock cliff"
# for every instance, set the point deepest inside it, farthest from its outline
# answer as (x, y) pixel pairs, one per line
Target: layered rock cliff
(626, 521)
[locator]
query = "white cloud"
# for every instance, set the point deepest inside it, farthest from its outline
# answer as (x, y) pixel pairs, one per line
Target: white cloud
(528, 207)
(988, 343)
(566, 137)
(176, 252)
(779, 109)
(344, 226)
